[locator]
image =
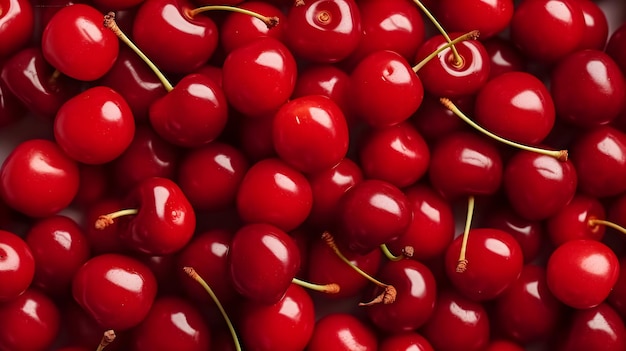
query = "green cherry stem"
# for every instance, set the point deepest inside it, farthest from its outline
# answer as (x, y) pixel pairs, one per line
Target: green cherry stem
(461, 265)
(269, 21)
(458, 60)
(331, 288)
(594, 222)
(473, 35)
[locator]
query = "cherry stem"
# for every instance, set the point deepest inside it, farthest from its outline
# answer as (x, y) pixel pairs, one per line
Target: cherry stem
(109, 22)
(299, 3)
(458, 60)
(54, 76)
(269, 21)
(107, 338)
(390, 256)
(595, 222)
(473, 35)
(461, 265)
(106, 220)
(560, 155)
(332, 288)
(195, 276)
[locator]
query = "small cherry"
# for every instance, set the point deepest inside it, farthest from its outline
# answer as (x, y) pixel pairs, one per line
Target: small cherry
(17, 266)
(17, 23)
(342, 332)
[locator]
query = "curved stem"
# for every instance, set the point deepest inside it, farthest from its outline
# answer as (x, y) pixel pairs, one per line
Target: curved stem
(560, 155)
(462, 263)
(595, 222)
(106, 220)
(467, 36)
(269, 21)
(390, 256)
(458, 60)
(331, 288)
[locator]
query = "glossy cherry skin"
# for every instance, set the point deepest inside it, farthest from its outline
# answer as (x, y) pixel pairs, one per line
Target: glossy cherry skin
(116, 290)
(193, 114)
(172, 323)
(210, 175)
(396, 154)
(31, 321)
(456, 315)
(259, 77)
(588, 88)
(238, 29)
(576, 261)
(79, 29)
(432, 228)
(274, 192)
(31, 167)
(503, 56)
(464, 163)
(263, 327)
(531, 235)
(17, 266)
(385, 90)
(342, 332)
(599, 156)
(263, 260)
(59, 248)
(538, 186)
(596, 26)
(527, 311)
(615, 48)
(488, 17)
(594, 328)
(575, 221)
(371, 213)
(165, 221)
(415, 301)
(310, 133)
(323, 30)
(408, 341)
(192, 38)
(17, 23)
(547, 30)
(442, 76)
(95, 126)
(524, 100)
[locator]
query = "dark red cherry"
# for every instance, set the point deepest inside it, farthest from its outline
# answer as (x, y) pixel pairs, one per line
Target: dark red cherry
(617, 295)
(615, 47)
(79, 29)
(17, 21)
(434, 121)
(116, 290)
(30, 321)
(17, 266)
(596, 26)
(95, 126)
(94, 182)
(583, 260)
(38, 178)
(538, 186)
(254, 136)
(599, 327)
(11, 108)
(588, 88)
(342, 332)
(526, 102)
(310, 133)
(503, 345)
(103, 240)
(264, 327)
(488, 17)
(323, 30)
(408, 341)
(503, 56)
(575, 221)
(531, 235)
(238, 29)
(263, 260)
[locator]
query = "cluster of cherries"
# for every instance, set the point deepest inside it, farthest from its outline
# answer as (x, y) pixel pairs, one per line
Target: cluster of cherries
(288, 175)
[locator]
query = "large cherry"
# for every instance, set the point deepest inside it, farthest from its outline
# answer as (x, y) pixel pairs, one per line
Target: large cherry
(17, 23)
(17, 266)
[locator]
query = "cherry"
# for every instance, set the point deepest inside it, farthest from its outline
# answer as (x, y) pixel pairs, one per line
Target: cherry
(538, 186)
(59, 248)
(614, 47)
(456, 315)
(78, 29)
(310, 133)
(584, 260)
(596, 26)
(103, 240)
(17, 266)
(415, 300)
(17, 23)
(31, 321)
(503, 56)
(262, 327)
(274, 192)
(238, 29)
(547, 30)
(384, 89)
(488, 17)
(116, 290)
(172, 323)
(593, 328)
(342, 331)
(407, 341)
(527, 311)
(434, 121)
(259, 76)
(371, 213)
(95, 126)
(38, 178)
(588, 88)
(396, 154)
(531, 235)
(526, 102)
(577, 220)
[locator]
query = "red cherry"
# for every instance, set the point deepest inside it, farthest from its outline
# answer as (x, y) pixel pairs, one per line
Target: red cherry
(17, 266)
(38, 179)
(575, 221)
(408, 341)
(103, 240)
(238, 29)
(95, 126)
(434, 121)
(488, 17)
(116, 290)
(615, 47)
(531, 235)
(503, 56)
(596, 26)
(599, 327)
(11, 108)
(76, 43)
(17, 25)
(582, 260)
(616, 297)
(342, 332)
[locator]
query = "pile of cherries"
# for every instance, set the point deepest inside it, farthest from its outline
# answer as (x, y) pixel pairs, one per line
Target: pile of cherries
(309, 165)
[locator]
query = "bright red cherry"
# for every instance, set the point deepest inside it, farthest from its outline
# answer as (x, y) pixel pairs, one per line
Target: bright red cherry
(76, 43)
(238, 29)
(38, 178)
(116, 290)
(599, 327)
(95, 126)
(579, 261)
(342, 332)
(16, 25)
(488, 17)
(17, 266)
